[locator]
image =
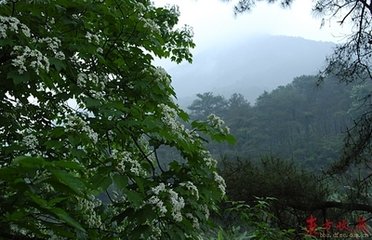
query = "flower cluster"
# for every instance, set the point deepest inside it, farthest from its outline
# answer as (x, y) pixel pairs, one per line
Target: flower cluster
(208, 160)
(192, 188)
(218, 123)
(14, 25)
(37, 60)
(76, 123)
(195, 221)
(126, 162)
(92, 38)
(221, 183)
(178, 204)
(176, 201)
(205, 210)
(150, 24)
(92, 79)
(155, 200)
(30, 141)
(169, 118)
(53, 44)
(86, 207)
(162, 75)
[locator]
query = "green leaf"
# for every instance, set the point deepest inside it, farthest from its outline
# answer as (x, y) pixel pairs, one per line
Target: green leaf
(19, 78)
(68, 165)
(134, 197)
(121, 182)
(30, 162)
(70, 181)
(61, 214)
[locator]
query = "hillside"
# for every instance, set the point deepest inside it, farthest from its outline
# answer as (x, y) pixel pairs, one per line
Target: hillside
(249, 66)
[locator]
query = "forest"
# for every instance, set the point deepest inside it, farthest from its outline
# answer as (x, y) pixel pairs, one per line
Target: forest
(93, 144)
(287, 147)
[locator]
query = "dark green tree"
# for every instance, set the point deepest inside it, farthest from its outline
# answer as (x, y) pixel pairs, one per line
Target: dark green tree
(83, 112)
(207, 104)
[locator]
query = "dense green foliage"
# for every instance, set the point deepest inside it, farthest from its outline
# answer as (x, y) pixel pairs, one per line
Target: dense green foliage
(83, 111)
(301, 121)
(286, 143)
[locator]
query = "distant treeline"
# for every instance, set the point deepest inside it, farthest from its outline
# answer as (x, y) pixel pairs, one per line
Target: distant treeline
(304, 121)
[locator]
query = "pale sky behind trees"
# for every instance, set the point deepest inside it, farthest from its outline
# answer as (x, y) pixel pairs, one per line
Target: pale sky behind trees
(216, 27)
(214, 23)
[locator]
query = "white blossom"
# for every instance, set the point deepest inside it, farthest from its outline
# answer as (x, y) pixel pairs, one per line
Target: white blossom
(87, 208)
(74, 123)
(195, 221)
(178, 204)
(24, 54)
(169, 118)
(151, 24)
(154, 200)
(205, 209)
(160, 188)
(208, 160)
(127, 163)
(218, 123)
(162, 75)
(221, 183)
(92, 37)
(30, 141)
(191, 187)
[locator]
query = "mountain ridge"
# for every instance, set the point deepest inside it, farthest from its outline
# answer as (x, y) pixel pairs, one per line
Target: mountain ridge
(249, 66)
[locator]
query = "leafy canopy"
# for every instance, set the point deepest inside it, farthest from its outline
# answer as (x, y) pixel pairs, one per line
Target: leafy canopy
(84, 110)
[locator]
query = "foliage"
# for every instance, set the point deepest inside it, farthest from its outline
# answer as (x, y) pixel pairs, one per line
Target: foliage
(351, 62)
(84, 111)
(299, 121)
(251, 222)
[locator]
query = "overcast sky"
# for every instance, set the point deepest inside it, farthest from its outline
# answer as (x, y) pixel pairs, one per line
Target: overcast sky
(215, 27)
(214, 22)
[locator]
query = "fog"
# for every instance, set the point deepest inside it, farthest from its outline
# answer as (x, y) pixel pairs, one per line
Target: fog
(264, 63)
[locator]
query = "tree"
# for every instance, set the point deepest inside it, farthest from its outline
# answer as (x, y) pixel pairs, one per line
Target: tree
(83, 110)
(207, 104)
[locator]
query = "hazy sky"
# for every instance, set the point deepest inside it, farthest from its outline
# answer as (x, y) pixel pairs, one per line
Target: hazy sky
(216, 27)
(214, 22)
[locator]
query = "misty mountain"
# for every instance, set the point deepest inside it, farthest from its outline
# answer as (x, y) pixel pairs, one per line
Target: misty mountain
(248, 66)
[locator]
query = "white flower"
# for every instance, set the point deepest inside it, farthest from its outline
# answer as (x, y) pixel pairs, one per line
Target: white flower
(81, 79)
(195, 221)
(100, 50)
(60, 56)
(74, 122)
(169, 117)
(30, 141)
(191, 187)
(162, 75)
(124, 160)
(205, 209)
(158, 189)
(154, 200)
(149, 23)
(218, 123)
(87, 207)
(92, 38)
(178, 204)
(208, 160)
(221, 183)
(24, 53)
